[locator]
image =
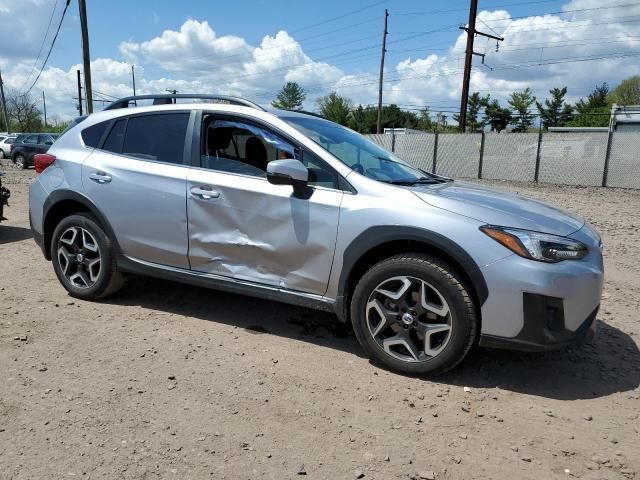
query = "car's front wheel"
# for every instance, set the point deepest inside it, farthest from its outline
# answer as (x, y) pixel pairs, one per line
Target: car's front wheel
(414, 314)
(83, 258)
(20, 162)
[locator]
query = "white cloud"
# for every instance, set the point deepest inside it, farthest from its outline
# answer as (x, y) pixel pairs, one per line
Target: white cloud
(194, 58)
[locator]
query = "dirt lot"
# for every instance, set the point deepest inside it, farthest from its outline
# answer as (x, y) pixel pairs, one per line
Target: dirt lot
(172, 381)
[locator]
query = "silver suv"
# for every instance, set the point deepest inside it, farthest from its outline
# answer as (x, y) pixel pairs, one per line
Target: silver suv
(294, 208)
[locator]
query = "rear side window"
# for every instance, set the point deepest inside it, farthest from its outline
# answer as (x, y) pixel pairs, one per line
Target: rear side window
(156, 137)
(113, 143)
(91, 136)
(31, 139)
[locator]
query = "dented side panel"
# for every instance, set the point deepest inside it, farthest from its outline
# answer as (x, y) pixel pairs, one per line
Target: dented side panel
(252, 230)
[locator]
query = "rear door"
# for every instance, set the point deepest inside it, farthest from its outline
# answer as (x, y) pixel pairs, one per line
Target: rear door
(30, 147)
(243, 227)
(137, 178)
(44, 142)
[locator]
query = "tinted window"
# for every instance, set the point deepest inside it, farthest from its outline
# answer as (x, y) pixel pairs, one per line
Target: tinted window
(91, 136)
(46, 139)
(156, 137)
(31, 139)
(113, 143)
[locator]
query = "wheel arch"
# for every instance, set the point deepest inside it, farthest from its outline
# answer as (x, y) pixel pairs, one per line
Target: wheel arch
(377, 243)
(61, 204)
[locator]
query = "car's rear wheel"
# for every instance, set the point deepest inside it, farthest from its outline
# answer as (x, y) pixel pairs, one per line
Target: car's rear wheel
(20, 162)
(414, 314)
(1, 154)
(83, 258)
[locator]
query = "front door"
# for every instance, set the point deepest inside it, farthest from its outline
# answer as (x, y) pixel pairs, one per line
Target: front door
(243, 227)
(137, 177)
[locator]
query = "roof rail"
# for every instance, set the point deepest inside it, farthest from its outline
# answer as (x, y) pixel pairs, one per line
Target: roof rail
(169, 98)
(306, 112)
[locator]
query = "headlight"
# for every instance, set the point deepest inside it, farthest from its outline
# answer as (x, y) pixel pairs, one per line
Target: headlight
(535, 245)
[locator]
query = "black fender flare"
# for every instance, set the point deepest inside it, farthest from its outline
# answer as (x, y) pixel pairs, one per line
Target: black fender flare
(62, 195)
(376, 236)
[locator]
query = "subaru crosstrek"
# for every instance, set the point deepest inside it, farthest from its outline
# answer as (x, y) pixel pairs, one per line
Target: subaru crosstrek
(291, 207)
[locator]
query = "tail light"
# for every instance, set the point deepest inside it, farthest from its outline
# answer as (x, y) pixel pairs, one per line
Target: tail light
(11, 147)
(42, 161)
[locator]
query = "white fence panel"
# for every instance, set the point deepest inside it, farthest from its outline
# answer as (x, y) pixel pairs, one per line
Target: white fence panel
(510, 156)
(458, 155)
(624, 160)
(573, 159)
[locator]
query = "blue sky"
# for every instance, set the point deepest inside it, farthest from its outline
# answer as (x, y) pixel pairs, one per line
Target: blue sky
(252, 48)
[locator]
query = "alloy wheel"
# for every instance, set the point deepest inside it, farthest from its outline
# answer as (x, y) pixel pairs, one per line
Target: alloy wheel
(409, 319)
(79, 257)
(19, 163)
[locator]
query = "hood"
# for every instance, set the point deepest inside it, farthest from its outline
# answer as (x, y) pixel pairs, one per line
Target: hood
(498, 207)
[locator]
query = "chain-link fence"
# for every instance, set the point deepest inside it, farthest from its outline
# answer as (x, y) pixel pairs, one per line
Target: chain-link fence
(569, 158)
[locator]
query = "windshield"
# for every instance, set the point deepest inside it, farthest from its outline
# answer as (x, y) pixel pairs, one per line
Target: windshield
(359, 153)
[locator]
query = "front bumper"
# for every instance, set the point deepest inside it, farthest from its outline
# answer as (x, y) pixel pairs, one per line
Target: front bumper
(536, 336)
(540, 306)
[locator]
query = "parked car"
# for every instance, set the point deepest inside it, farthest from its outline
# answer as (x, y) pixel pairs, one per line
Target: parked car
(5, 145)
(291, 207)
(4, 197)
(29, 144)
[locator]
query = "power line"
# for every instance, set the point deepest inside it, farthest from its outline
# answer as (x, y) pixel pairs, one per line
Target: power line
(454, 10)
(635, 4)
(46, 34)
(329, 20)
(53, 42)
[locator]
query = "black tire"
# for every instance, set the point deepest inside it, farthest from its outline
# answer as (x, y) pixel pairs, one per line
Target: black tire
(108, 280)
(449, 283)
(20, 162)
(1, 154)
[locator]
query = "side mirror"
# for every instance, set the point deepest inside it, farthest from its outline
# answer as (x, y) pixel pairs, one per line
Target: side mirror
(287, 172)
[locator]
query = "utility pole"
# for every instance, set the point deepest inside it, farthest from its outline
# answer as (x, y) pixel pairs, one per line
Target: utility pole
(4, 104)
(85, 55)
(384, 50)
(79, 94)
(133, 79)
(44, 104)
(468, 58)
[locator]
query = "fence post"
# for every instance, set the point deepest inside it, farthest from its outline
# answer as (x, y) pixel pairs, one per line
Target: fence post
(481, 156)
(538, 156)
(605, 172)
(393, 140)
(435, 153)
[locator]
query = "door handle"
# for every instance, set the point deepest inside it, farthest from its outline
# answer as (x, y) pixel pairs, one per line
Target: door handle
(100, 177)
(204, 193)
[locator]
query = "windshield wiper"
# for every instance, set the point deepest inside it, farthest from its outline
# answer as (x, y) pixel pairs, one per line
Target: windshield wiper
(414, 181)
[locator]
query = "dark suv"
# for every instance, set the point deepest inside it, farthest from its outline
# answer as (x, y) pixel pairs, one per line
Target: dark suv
(29, 144)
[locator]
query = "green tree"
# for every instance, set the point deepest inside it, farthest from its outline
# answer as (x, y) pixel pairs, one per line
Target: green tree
(555, 112)
(593, 111)
(474, 106)
(521, 102)
(290, 97)
(627, 93)
(361, 120)
(496, 116)
(425, 122)
(335, 108)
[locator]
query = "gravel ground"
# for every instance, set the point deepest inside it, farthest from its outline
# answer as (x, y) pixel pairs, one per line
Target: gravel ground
(171, 381)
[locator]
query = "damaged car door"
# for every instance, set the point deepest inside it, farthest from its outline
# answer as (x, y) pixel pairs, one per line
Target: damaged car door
(243, 227)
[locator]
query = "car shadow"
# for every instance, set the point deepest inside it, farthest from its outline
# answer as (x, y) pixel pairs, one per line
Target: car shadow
(611, 364)
(10, 234)
(252, 314)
